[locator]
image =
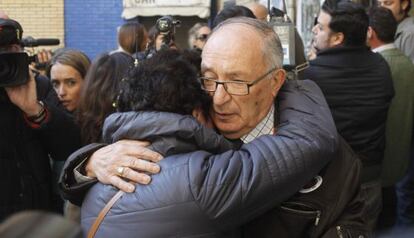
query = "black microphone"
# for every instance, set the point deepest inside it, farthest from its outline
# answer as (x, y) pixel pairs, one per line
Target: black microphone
(32, 42)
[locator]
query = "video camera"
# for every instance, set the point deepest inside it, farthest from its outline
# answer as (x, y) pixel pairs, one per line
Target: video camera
(14, 64)
(166, 26)
(32, 42)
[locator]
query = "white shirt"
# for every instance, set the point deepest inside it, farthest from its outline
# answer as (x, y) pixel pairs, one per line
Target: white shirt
(384, 47)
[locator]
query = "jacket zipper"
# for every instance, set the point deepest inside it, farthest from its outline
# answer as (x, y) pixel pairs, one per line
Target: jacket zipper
(318, 217)
(339, 232)
(318, 212)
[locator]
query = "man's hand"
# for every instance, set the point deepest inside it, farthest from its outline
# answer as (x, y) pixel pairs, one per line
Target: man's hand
(130, 157)
(25, 97)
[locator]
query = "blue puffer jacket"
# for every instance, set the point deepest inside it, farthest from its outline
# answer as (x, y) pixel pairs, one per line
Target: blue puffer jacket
(200, 194)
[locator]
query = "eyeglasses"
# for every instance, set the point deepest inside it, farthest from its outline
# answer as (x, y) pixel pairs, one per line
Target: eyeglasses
(239, 88)
(202, 37)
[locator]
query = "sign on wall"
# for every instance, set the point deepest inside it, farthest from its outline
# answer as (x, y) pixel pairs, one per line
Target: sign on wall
(133, 8)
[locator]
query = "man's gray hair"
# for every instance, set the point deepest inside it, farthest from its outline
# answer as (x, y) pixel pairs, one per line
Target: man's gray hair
(192, 33)
(271, 46)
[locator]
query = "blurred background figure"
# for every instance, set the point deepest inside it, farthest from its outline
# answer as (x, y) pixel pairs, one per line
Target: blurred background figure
(404, 36)
(132, 38)
(232, 11)
(400, 120)
(98, 95)
(259, 10)
(67, 71)
(197, 36)
(155, 41)
(36, 224)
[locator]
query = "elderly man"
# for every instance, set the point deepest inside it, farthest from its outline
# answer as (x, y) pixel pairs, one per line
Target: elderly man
(230, 189)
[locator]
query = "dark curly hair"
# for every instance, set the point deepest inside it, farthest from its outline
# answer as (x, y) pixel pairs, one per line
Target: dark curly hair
(166, 82)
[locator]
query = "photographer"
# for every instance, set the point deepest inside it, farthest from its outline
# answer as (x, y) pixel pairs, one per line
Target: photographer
(34, 128)
(161, 36)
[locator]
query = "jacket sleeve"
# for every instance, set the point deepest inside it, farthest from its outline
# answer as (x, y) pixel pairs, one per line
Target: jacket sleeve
(240, 185)
(158, 128)
(69, 187)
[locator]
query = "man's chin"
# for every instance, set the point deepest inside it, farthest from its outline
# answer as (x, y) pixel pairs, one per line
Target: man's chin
(228, 130)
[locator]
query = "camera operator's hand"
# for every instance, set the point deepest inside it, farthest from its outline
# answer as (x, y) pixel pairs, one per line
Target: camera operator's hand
(25, 97)
(44, 56)
(125, 159)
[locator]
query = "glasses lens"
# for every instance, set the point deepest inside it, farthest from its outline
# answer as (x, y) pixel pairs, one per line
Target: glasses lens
(237, 88)
(209, 85)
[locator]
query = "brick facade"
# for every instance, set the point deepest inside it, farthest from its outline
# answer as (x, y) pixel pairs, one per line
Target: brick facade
(39, 18)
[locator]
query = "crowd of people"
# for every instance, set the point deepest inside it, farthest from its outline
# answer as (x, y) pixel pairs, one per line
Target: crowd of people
(151, 140)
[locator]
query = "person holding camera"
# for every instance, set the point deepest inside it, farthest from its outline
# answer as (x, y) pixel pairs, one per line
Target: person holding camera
(34, 128)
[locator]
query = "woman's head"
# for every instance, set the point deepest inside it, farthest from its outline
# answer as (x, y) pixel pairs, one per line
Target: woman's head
(166, 82)
(132, 37)
(99, 93)
(67, 70)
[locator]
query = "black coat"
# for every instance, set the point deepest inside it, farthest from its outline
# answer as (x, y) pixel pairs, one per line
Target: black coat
(358, 87)
(25, 172)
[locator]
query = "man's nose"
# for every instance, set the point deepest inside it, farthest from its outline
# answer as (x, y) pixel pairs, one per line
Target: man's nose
(221, 96)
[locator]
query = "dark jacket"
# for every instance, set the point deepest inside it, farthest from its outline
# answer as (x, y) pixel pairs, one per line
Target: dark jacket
(358, 87)
(335, 207)
(205, 195)
(25, 174)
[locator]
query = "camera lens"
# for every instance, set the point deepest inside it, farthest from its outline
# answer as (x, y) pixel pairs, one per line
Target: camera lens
(14, 69)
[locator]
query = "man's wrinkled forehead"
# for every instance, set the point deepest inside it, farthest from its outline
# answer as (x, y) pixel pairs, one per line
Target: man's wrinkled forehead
(232, 40)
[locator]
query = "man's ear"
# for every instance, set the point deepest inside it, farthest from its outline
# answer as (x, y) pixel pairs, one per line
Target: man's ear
(337, 39)
(278, 79)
